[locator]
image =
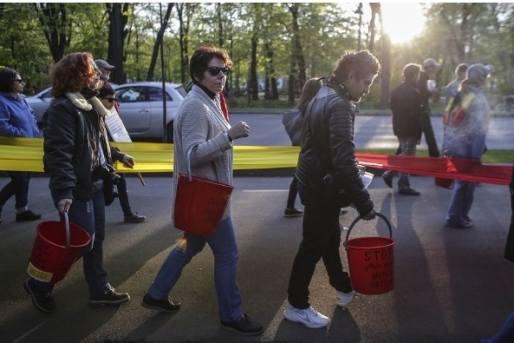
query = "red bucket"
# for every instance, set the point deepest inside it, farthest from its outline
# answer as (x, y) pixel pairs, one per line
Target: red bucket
(371, 261)
(199, 203)
(56, 248)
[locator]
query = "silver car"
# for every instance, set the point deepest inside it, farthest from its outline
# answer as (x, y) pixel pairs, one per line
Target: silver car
(39, 103)
(141, 108)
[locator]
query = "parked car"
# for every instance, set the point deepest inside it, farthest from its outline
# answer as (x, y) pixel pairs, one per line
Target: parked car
(141, 107)
(39, 103)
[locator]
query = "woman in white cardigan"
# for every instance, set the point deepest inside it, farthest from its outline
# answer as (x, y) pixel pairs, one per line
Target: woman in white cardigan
(201, 126)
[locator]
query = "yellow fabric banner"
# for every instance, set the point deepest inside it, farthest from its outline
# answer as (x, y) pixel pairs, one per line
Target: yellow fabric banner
(26, 154)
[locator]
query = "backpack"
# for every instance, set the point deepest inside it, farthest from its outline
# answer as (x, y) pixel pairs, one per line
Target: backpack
(293, 123)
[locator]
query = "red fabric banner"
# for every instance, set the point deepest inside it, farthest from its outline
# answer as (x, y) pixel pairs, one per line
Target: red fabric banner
(440, 167)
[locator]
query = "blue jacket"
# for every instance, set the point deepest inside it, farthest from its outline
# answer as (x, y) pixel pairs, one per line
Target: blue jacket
(16, 117)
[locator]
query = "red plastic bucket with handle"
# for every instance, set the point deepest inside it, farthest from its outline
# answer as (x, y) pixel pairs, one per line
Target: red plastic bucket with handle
(371, 261)
(56, 248)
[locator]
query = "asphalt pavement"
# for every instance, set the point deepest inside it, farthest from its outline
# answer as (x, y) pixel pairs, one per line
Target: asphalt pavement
(450, 285)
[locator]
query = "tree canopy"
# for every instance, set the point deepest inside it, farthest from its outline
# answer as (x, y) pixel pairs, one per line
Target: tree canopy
(275, 47)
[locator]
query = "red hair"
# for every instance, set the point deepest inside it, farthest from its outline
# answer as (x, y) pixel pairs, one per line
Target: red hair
(72, 73)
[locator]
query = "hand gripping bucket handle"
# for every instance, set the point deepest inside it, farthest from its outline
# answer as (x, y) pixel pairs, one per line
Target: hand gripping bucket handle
(371, 261)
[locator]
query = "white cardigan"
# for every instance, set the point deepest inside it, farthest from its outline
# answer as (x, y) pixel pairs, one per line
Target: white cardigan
(200, 125)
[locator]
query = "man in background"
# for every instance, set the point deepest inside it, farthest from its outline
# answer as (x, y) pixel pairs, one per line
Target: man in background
(407, 108)
(453, 87)
(429, 68)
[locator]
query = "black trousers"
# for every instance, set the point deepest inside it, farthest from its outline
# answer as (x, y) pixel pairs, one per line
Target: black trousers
(428, 131)
(293, 191)
(123, 195)
(321, 240)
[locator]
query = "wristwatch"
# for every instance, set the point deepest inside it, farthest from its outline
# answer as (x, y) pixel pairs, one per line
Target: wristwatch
(226, 134)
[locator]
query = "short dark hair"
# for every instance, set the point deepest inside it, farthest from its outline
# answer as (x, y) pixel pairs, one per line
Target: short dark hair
(201, 58)
(410, 70)
(362, 62)
(106, 90)
(7, 77)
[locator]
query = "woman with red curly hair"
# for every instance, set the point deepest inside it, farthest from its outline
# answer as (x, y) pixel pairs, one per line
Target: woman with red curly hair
(78, 159)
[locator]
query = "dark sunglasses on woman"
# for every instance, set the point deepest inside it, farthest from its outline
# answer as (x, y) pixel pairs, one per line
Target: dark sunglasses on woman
(216, 70)
(111, 99)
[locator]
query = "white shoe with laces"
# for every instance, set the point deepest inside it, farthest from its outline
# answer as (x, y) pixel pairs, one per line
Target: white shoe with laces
(344, 299)
(308, 317)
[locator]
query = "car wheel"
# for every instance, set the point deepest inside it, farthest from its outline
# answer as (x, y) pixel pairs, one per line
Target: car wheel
(169, 133)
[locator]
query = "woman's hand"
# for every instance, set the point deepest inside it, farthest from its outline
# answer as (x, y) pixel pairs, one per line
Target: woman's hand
(64, 205)
(239, 130)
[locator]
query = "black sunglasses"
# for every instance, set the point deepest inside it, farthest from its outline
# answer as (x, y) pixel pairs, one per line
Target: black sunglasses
(20, 81)
(111, 99)
(216, 70)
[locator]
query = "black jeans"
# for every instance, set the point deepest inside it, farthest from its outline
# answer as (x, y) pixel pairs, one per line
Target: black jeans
(19, 187)
(321, 240)
(123, 195)
(293, 191)
(428, 131)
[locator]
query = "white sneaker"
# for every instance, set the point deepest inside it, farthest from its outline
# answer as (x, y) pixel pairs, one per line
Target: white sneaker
(308, 317)
(344, 299)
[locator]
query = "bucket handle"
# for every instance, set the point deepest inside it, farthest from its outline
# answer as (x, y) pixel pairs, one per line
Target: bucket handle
(352, 225)
(188, 162)
(67, 226)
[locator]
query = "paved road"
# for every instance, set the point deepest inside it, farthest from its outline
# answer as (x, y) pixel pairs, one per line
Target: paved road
(370, 131)
(451, 285)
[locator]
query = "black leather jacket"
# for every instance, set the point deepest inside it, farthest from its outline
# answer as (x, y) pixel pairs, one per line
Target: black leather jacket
(71, 149)
(327, 160)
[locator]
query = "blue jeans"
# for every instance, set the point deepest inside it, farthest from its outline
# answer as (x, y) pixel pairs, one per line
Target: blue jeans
(224, 247)
(19, 187)
(460, 203)
(506, 334)
(90, 215)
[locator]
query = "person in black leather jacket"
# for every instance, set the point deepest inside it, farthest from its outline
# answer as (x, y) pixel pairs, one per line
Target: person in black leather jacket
(77, 158)
(328, 179)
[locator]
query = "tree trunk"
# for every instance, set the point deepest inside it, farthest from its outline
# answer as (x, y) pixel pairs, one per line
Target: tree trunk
(184, 16)
(253, 90)
(118, 18)
(298, 49)
(158, 41)
(220, 25)
(56, 27)
(375, 9)
(292, 81)
(385, 71)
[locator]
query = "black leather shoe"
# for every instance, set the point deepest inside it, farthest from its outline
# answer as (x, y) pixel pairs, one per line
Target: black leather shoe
(244, 325)
(43, 301)
(134, 218)
(408, 191)
(388, 179)
(163, 305)
(28, 215)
